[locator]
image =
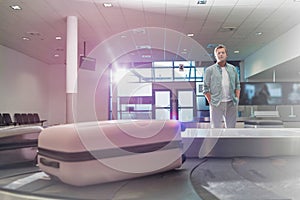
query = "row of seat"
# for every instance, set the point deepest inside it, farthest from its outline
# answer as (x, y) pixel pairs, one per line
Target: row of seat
(20, 119)
(5, 120)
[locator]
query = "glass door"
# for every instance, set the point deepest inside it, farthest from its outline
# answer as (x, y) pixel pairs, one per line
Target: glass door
(185, 105)
(162, 104)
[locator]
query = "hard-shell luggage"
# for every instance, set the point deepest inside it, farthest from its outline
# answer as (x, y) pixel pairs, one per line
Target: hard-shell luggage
(96, 152)
(18, 144)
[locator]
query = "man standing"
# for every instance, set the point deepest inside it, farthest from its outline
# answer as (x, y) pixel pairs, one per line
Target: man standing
(222, 90)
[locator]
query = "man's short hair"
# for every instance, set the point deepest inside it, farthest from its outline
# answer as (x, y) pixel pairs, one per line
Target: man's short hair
(220, 46)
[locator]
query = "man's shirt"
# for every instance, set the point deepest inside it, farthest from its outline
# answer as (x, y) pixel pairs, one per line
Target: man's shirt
(213, 83)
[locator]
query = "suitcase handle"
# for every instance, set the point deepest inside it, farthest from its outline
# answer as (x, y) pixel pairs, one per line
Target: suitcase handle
(49, 163)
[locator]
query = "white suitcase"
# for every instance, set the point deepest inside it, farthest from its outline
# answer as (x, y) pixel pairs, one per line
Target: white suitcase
(105, 151)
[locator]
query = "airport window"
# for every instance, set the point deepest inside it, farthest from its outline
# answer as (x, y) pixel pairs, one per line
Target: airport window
(163, 64)
(132, 93)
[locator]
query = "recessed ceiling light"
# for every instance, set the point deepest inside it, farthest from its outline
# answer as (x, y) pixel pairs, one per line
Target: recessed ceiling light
(58, 37)
(59, 49)
(139, 31)
(227, 28)
(190, 34)
(107, 5)
(258, 33)
(201, 1)
(25, 38)
(34, 33)
(56, 55)
(146, 56)
(236, 51)
(143, 47)
(16, 7)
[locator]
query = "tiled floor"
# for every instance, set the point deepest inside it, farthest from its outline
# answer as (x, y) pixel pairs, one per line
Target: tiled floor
(236, 178)
(245, 178)
(171, 185)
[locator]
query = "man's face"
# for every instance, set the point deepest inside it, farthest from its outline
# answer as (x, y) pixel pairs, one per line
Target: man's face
(221, 55)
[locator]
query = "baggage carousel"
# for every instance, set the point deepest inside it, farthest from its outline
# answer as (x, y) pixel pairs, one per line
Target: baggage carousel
(221, 164)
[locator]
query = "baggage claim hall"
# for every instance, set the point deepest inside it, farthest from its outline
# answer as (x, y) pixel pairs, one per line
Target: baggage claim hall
(107, 99)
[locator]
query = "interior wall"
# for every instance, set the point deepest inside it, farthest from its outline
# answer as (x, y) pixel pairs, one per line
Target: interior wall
(28, 85)
(92, 102)
(23, 84)
(57, 94)
(281, 50)
(31, 86)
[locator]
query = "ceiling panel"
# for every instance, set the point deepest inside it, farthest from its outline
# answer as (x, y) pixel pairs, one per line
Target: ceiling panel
(155, 20)
(248, 2)
(134, 18)
(218, 14)
(272, 3)
(178, 3)
(237, 16)
(97, 23)
(198, 13)
(224, 3)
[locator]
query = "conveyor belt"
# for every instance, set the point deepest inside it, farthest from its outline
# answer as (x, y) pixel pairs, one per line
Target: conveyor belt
(169, 185)
(273, 178)
(251, 142)
(226, 169)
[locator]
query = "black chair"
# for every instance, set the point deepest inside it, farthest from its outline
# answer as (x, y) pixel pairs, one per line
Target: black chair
(25, 118)
(7, 119)
(30, 118)
(2, 122)
(37, 119)
(18, 118)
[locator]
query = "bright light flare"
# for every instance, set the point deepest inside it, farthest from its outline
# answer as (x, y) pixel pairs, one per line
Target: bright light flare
(118, 74)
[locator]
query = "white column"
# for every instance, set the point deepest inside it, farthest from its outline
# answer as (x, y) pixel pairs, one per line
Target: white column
(274, 75)
(71, 67)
